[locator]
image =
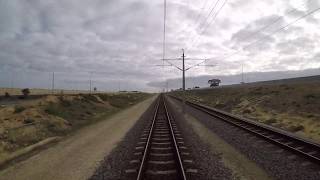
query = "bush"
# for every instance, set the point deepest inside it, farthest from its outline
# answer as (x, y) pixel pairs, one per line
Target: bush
(25, 92)
(310, 96)
(28, 121)
(270, 121)
(64, 102)
(6, 94)
(55, 110)
(90, 98)
(18, 109)
(296, 128)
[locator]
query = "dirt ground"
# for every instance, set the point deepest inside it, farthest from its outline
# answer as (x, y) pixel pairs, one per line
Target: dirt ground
(241, 167)
(293, 106)
(77, 156)
(29, 121)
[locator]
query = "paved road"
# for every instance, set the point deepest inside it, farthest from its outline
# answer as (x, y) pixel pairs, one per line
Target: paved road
(77, 156)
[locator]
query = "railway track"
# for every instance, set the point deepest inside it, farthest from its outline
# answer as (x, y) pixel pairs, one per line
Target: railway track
(160, 152)
(286, 140)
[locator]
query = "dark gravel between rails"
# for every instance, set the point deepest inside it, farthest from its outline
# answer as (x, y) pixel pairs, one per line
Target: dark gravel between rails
(208, 163)
(277, 162)
(113, 166)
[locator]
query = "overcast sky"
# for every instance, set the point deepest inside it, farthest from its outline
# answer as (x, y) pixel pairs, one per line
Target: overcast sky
(118, 42)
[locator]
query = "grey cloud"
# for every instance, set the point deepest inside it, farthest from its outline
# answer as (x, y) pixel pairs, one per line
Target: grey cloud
(300, 44)
(121, 40)
(248, 33)
(201, 81)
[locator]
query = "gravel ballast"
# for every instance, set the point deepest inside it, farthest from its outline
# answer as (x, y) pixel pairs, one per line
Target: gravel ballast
(208, 163)
(113, 166)
(277, 162)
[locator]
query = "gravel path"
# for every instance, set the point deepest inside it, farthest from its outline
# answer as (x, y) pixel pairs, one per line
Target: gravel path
(278, 163)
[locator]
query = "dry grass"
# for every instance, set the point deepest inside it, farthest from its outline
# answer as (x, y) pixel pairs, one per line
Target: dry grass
(17, 91)
(27, 123)
(293, 107)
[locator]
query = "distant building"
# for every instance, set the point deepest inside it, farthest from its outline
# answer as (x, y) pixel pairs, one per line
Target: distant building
(214, 82)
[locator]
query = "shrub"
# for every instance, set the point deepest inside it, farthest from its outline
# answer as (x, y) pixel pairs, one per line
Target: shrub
(296, 128)
(6, 94)
(18, 109)
(28, 121)
(56, 110)
(310, 96)
(270, 121)
(64, 102)
(25, 92)
(89, 97)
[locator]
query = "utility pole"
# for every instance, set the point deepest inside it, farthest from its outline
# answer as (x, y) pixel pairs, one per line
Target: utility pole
(90, 81)
(184, 69)
(52, 84)
(183, 72)
(167, 85)
(242, 78)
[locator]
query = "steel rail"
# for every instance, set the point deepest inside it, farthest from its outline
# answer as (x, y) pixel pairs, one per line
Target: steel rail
(142, 167)
(181, 168)
(145, 153)
(298, 145)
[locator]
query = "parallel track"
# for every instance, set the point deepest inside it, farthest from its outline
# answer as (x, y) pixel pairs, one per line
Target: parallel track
(298, 145)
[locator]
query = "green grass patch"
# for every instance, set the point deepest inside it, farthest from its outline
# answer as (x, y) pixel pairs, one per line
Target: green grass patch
(56, 110)
(18, 109)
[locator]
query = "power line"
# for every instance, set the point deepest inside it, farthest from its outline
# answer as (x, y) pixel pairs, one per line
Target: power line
(206, 18)
(270, 24)
(164, 29)
(183, 68)
(164, 34)
(198, 17)
(274, 32)
(208, 25)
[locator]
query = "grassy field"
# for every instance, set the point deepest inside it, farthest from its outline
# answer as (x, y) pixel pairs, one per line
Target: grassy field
(17, 91)
(31, 121)
(292, 106)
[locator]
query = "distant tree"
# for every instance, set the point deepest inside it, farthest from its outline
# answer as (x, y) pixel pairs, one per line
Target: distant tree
(95, 89)
(6, 94)
(25, 92)
(214, 82)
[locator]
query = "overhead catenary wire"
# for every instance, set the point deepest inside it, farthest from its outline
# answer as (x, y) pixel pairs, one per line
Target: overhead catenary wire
(199, 15)
(164, 29)
(270, 24)
(274, 32)
(197, 18)
(164, 35)
(209, 24)
(206, 18)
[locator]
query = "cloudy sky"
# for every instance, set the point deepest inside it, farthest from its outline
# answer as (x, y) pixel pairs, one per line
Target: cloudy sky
(118, 42)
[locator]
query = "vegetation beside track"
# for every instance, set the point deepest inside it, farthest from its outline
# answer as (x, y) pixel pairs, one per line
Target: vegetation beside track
(31, 121)
(294, 107)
